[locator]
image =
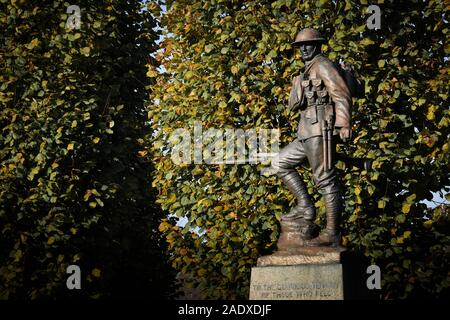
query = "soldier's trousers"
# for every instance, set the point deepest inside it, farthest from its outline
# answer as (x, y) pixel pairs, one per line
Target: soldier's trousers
(312, 150)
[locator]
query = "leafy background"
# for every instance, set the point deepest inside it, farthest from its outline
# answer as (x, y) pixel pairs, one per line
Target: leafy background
(86, 174)
(229, 64)
(75, 184)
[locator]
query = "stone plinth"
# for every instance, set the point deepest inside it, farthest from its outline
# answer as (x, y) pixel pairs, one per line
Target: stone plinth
(306, 273)
(300, 282)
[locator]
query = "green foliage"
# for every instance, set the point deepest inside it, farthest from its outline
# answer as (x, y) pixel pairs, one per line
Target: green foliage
(74, 183)
(229, 64)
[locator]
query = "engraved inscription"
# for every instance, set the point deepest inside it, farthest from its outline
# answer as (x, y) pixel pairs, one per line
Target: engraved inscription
(299, 282)
(297, 290)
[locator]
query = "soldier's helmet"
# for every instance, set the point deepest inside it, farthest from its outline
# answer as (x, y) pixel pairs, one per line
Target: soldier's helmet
(308, 35)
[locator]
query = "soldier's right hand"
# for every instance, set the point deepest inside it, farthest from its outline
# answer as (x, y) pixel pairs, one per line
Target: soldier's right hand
(345, 133)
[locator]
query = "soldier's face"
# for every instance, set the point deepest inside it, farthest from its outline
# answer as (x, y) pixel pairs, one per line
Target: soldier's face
(309, 50)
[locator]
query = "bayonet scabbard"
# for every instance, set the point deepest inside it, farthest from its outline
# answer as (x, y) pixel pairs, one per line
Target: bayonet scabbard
(329, 143)
(324, 142)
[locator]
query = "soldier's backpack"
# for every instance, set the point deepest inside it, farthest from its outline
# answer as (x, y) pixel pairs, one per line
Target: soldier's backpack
(355, 85)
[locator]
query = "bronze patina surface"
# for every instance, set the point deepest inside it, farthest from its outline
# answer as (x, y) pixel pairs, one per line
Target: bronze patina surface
(323, 98)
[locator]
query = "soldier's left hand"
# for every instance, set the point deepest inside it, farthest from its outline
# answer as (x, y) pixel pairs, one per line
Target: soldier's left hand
(345, 134)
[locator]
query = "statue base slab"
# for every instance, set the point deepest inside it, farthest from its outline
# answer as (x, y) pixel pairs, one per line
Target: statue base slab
(303, 273)
(311, 273)
(299, 282)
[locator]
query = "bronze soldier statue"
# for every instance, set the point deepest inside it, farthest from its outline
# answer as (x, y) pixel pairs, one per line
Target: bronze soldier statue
(324, 100)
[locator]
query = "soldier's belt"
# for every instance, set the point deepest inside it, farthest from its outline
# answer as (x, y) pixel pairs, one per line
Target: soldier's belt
(318, 112)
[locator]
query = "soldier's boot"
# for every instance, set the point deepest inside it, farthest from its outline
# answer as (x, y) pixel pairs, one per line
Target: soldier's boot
(298, 225)
(331, 236)
(305, 207)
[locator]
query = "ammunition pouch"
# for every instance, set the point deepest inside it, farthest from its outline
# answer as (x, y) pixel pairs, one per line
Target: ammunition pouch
(317, 111)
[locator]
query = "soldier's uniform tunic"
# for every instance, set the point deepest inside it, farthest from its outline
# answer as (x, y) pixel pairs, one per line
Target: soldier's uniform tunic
(320, 93)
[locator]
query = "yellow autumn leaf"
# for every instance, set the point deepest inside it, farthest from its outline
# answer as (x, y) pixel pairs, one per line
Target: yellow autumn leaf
(447, 48)
(233, 215)
(172, 198)
(411, 198)
(96, 140)
(430, 114)
(222, 104)
(33, 43)
(152, 73)
(406, 207)
(87, 195)
(446, 147)
(367, 41)
(51, 240)
(202, 272)
(189, 75)
(18, 255)
(96, 273)
(428, 224)
(163, 226)
(70, 146)
(142, 153)
(85, 51)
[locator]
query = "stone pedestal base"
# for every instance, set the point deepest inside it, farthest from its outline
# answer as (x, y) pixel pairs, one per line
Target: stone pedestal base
(300, 282)
(308, 273)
